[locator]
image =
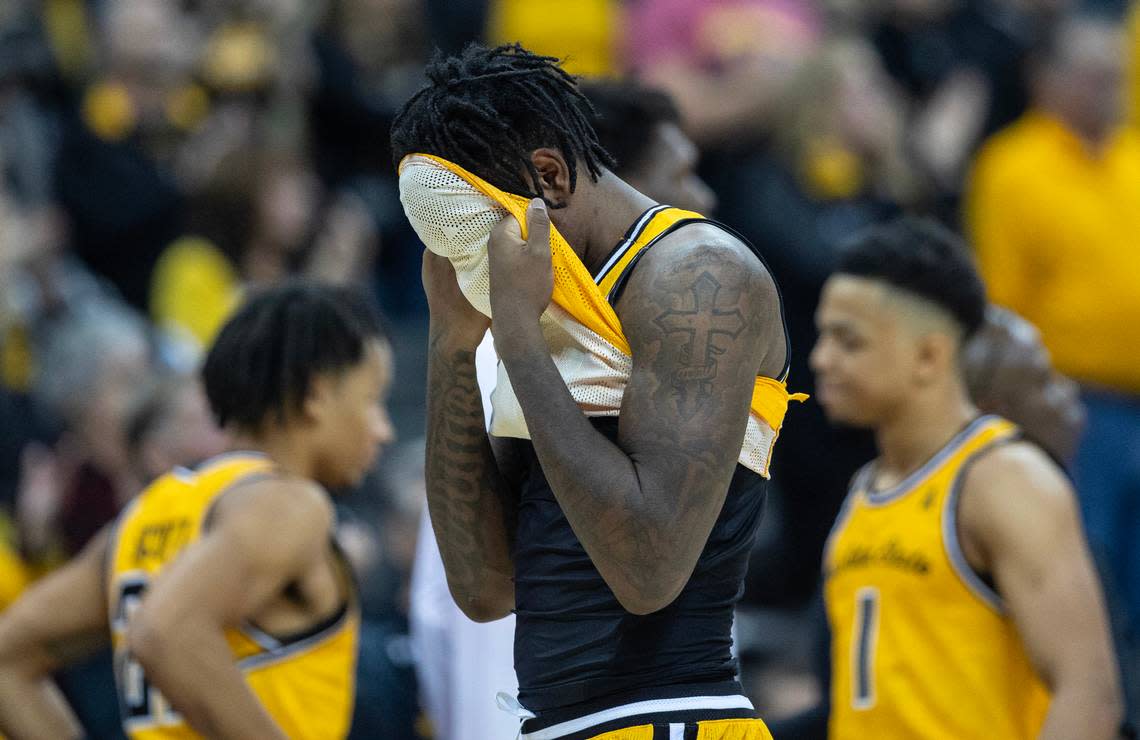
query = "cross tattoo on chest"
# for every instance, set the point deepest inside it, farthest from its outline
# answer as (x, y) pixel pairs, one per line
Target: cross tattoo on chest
(701, 323)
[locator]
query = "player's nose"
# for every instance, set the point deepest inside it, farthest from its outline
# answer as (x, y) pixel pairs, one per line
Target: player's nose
(383, 431)
(817, 360)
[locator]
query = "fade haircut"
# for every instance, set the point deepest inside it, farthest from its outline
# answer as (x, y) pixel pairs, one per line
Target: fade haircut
(925, 260)
(262, 364)
(487, 109)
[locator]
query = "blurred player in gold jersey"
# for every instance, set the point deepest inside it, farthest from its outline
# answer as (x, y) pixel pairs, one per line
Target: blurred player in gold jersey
(959, 588)
(230, 610)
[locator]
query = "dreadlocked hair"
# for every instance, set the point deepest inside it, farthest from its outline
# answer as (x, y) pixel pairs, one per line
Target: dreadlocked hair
(487, 109)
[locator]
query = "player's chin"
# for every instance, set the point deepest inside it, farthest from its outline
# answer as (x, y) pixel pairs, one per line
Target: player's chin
(362, 467)
(841, 410)
(345, 477)
(354, 477)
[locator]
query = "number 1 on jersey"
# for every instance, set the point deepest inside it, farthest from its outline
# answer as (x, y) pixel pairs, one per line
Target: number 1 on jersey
(864, 638)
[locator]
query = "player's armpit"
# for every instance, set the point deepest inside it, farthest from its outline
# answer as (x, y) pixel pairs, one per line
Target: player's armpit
(56, 622)
(1019, 521)
(509, 455)
(262, 536)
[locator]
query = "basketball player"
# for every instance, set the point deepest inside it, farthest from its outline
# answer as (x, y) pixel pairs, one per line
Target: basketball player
(230, 611)
(612, 509)
(462, 664)
(960, 593)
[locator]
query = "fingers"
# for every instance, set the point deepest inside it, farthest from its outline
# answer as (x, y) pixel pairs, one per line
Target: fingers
(538, 225)
(507, 231)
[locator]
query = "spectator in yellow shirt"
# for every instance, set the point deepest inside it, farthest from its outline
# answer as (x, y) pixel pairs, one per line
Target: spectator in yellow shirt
(1054, 211)
(291, 226)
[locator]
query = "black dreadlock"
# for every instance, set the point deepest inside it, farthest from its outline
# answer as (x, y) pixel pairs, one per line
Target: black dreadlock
(486, 110)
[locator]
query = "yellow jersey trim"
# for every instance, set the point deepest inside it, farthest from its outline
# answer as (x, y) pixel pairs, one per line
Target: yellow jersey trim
(960, 441)
(653, 226)
(951, 543)
(630, 237)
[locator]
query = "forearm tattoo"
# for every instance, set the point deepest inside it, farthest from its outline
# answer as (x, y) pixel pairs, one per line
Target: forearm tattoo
(464, 487)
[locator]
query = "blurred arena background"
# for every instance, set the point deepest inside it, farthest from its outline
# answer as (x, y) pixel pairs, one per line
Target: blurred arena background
(159, 157)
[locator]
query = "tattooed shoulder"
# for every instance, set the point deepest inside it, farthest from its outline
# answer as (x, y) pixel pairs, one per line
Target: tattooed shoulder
(697, 304)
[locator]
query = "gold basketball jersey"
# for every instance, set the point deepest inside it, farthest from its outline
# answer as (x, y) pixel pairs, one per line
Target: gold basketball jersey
(921, 646)
(305, 682)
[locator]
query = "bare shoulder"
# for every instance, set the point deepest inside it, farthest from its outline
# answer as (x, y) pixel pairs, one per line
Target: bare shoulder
(1022, 466)
(1015, 487)
(702, 247)
(703, 278)
(276, 507)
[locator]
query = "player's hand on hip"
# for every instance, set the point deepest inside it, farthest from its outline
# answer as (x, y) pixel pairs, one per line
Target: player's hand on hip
(452, 315)
(522, 277)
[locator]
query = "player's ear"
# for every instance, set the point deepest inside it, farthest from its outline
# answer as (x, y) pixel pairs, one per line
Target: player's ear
(553, 175)
(936, 352)
(319, 398)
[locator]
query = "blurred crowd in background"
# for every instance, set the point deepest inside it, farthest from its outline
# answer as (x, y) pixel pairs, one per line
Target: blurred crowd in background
(160, 158)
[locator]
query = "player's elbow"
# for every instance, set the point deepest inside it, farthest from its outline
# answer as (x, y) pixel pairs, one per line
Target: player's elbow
(19, 656)
(481, 609)
(16, 663)
(1108, 700)
(493, 602)
(149, 639)
(649, 597)
(145, 643)
(1094, 688)
(640, 607)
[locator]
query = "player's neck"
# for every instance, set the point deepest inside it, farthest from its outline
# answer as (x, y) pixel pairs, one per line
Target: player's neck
(289, 453)
(918, 431)
(594, 224)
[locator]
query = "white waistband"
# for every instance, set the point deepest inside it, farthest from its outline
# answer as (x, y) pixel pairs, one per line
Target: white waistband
(652, 706)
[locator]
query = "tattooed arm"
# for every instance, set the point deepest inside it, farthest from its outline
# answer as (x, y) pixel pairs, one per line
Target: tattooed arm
(58, 621)
(470, 502)
(702, 317)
